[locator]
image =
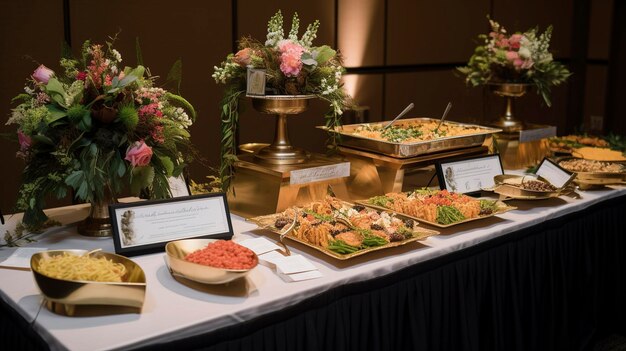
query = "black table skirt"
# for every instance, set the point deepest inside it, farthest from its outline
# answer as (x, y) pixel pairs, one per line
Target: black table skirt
(558, 285)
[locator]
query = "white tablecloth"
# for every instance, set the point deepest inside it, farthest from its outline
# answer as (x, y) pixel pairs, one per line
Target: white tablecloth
(173, 310)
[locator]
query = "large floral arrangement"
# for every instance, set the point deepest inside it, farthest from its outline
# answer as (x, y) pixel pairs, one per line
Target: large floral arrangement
(293, 66)
(516, 58)
(97, 129)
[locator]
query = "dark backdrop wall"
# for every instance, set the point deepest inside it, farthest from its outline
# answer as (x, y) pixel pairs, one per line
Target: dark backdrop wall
(396, 52)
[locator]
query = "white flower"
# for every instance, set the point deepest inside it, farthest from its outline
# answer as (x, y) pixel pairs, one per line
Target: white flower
(117, 55)
(524, 52)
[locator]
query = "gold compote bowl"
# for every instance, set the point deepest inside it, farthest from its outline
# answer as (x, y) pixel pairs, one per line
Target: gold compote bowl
(281, 151)
(507, 122)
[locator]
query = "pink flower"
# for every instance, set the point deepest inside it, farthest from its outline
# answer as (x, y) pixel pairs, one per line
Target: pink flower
(243, 57)
(514, 41)
(290, 62)
(502, 43)
(512, 56)
(139, 154)
(24, 140)
(42, 74)
(81, 76)
(518, 63)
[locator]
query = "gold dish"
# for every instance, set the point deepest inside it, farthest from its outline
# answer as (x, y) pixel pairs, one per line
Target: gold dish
(518, 193)
(68, 293)
(503, 208)
(175, 258)
(405, 150)
(590, 179)
(267, 222)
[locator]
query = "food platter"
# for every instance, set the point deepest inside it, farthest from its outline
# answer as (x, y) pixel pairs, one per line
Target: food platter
(268, 222)
(505, 185)
(176, 251)
(586, 179)
(69, 293)
(500, 207)
(412, 149)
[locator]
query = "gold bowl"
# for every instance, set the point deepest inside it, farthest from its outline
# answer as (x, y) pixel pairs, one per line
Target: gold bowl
(506, 184)
(175, 257)
(131, 292)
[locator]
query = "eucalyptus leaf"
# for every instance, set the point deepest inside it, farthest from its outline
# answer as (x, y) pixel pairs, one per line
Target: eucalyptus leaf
(42, 139)
(54, 114)
(324, 53)
(142, 177)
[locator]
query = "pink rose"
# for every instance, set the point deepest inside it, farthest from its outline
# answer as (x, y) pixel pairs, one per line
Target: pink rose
(24, 140)
(81, 76)
(514, 41)
(243, 57)
(42, 74)
(518, 63)
(139, 154)
(512, 55)
(290, 58)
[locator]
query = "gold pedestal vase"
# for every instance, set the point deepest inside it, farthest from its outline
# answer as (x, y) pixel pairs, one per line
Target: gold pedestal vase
(511, 91)
(98, 222)
(281, 152)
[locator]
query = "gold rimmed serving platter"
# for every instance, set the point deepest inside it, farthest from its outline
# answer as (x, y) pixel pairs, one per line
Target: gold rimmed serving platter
(266, 222)
(591, 179)
(63, 295)
(502, 209)
(178, 266)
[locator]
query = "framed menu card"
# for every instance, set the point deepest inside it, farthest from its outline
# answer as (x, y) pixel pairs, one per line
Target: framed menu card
(145, 227)
(469, 175)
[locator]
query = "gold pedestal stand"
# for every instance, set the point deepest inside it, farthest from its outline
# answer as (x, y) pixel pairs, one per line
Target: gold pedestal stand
(262, 188)
(98, 222)
(507, 122)
(373, 174)
(519, 155)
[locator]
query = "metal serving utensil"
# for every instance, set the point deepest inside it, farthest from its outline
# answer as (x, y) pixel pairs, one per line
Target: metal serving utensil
(287, 231)
(404, 112)
(445, 113)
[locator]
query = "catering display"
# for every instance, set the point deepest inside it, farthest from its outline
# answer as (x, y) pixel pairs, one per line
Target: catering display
(96, 130)
(439, 208)
(344, 230)
(209, 261)
(68, 278)
(413, 137)
(590, 173)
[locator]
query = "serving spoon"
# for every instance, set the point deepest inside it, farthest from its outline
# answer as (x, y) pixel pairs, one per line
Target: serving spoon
(445, 113)
(404, 112)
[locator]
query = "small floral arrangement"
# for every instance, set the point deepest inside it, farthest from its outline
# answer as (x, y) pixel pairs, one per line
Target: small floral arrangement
(516, 58)
(293, 66)
(97, 129)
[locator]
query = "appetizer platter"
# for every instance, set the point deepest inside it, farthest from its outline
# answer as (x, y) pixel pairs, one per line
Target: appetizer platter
(68, 278)
(525, 187)
(568, 143)
(591, 173)
(413, 137)
(209, 261)
(343, 230)
(439, 208)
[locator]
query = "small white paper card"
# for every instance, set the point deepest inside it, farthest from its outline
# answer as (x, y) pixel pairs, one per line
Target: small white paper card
(553, 173)
(317, 174)
(294, 264)
(270, 258)
(255, 82)
(20, 258)
(301, 276)
(259, 245)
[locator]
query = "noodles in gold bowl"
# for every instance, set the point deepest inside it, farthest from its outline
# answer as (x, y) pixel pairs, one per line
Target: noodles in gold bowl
(70, 277)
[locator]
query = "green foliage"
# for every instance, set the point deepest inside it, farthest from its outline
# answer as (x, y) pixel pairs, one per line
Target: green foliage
(128, 116)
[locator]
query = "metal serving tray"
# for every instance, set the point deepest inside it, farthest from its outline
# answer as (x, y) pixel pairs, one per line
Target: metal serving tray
(406, 150)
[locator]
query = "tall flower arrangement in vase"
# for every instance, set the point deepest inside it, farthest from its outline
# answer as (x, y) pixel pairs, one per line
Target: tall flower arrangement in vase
(293, 66)
(97, 128)
(522, 58)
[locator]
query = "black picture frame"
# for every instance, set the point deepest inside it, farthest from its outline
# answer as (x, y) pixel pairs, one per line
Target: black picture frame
(120, 235)
(442, 167)
(572, 175)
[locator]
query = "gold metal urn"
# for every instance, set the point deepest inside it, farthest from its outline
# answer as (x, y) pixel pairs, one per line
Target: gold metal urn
(507, 121)
(281, 152)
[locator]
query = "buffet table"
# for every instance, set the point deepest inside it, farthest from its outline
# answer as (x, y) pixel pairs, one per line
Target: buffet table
(550, 275)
